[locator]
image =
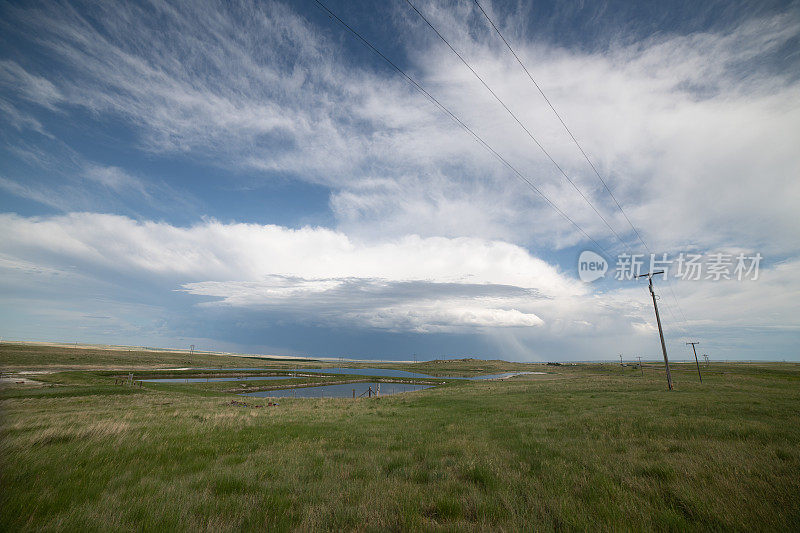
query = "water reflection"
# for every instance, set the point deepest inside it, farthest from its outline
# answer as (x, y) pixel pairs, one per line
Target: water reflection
(342, 390)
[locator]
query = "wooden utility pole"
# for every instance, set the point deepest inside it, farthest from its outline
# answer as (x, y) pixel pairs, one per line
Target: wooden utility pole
(658, 320)
(695, 359)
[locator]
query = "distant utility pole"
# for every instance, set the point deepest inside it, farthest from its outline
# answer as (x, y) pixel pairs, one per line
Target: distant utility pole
(639, 357)
(415, 358)
(658, 320)
(706, 358)
(695, 359)
(191, 349)
(620, 360)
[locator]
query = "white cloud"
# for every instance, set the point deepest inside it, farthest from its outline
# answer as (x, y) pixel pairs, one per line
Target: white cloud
(319, 276)
(438, 316)
(32, 193)
(379, 303)
(249, 251)
(61, 178)
(413, 282)
(261, 88)
(29, 86)
(669, 128)
(410, 283)
(115, 179)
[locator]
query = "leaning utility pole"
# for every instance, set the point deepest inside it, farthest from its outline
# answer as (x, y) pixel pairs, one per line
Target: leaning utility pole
(695, 359)
(658, 320)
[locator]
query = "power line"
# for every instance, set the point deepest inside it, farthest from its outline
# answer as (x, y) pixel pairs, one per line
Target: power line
(680, 309)
(562, 122)
(514, 116)
(583, 152)
(442, 107)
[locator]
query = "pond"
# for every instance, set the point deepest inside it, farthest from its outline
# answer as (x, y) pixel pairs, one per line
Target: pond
(376, 372)
(342, 390)
(391, 373)
(504, 375)
(204, 380)
(368, 372)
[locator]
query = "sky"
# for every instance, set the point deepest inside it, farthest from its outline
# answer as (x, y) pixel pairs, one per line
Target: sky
(250, 177)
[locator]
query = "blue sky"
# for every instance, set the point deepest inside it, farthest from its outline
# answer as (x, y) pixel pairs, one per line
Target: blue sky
(249, 177)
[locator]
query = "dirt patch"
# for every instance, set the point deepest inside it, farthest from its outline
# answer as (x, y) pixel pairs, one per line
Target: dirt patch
(17, 379)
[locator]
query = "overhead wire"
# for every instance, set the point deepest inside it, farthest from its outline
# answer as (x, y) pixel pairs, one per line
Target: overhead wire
(583, 152)
(458, 121)
(516, 119)
(605, 185)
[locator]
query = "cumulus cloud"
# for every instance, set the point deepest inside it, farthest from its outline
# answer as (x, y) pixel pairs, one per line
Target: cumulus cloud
(438, 316)
(418, 306)
(248, 251)
(410, 283)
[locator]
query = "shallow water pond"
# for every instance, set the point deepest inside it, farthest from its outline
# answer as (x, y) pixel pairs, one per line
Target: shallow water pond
(205, 380)
(342, 390)
(376, 372)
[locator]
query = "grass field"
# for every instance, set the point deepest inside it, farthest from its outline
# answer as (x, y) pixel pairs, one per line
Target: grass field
(583, 447)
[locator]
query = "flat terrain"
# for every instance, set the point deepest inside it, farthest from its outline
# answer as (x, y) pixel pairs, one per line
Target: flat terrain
(592, 446)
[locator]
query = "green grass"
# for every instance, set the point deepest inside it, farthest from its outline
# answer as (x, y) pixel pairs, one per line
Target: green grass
(462, 367)
(30, 356)
(587, 447)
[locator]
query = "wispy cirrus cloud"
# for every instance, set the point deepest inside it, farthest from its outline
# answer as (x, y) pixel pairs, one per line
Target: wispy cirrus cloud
(288, 101)
(58, 176)
(30, 87)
